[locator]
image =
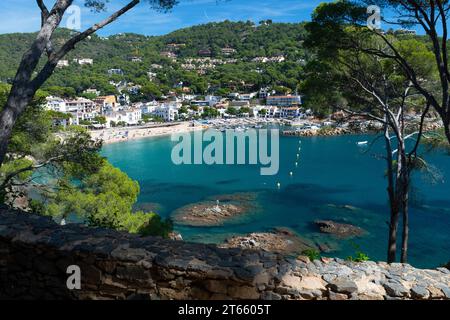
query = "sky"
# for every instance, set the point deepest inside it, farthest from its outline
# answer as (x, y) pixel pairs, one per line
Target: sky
(24, 15)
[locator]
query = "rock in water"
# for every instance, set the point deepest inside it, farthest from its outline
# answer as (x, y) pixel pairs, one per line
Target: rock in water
(215, 212)
(341, 230)
(281, 240)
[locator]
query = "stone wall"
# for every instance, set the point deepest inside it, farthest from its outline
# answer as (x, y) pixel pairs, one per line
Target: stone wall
(35, 254)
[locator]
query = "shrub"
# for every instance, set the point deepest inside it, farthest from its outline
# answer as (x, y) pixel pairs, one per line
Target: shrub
(359, 255)
(312, 254)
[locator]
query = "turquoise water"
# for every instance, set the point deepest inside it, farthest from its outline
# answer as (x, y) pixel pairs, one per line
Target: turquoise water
(332, 172)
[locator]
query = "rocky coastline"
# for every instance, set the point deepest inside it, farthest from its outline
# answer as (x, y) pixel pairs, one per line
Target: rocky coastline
(350, 128)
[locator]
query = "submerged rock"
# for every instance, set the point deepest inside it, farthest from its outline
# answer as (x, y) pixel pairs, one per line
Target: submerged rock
(241, 197)
(341, 230)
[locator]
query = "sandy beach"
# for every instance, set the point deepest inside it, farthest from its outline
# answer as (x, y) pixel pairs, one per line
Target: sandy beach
(112, 135)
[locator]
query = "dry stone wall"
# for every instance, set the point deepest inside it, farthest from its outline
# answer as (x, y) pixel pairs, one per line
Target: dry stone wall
(35, 254)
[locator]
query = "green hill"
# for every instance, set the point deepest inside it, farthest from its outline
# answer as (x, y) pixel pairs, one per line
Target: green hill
(247, 39)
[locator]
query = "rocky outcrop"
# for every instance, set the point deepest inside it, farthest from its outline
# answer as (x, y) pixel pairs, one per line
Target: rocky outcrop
(215, 212)
(281, 240)
(317, 132)
(340, 230)
(35, 254)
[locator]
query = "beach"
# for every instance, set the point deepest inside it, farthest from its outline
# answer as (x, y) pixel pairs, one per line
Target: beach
(112, 135)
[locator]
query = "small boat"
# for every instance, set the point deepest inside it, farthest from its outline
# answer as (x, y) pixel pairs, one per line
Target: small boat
(362, 143)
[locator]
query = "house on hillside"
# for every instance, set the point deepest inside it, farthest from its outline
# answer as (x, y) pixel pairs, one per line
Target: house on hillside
(284, 101)
(62, 63)
(82, 109)
(116, 72)
(204, 53)
(228, 51)
(135, 59)
(106, 103)
(169, 55)
(84, 61)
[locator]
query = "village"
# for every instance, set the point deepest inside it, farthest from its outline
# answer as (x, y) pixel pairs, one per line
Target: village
(121, 116)
(114, 118)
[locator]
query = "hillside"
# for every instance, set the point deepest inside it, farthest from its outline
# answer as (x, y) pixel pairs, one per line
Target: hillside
(231, 46)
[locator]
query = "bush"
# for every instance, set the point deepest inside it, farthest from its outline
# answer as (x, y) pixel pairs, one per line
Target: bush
(312, 254)
(359, 256)
(156, 226)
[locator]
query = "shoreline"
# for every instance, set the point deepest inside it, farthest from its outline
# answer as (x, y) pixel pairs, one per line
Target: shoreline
(123, 134)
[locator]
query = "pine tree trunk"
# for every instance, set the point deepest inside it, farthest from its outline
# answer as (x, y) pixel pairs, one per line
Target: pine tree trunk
(405, 212)
(394, 210)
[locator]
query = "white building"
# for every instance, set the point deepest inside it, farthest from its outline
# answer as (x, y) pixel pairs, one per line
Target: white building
(212, 100)
(151, 75)
(272, 112)
(62, 63)
(84, 61)
(130, 116)
(115, 71)
(284, 101)
(82, 109)
(56, 104)
(256, 111)
(168, 112)
(92, 91)
(79, 109)
(149, 107)
(136, 59)
(247, 96)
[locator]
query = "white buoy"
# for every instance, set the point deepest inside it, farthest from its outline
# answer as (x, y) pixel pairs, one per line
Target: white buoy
(278, 185)
(290, 173)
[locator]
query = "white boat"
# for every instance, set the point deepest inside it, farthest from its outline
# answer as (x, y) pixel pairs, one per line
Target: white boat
(362, 143)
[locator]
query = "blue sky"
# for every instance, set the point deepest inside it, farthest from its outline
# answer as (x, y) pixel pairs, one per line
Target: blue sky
(24, 15)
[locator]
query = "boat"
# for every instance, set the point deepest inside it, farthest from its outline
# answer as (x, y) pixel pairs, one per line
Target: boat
(362, 143)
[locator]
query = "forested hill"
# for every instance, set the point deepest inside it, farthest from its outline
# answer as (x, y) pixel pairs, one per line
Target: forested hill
(248, 39)
(234, 70)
